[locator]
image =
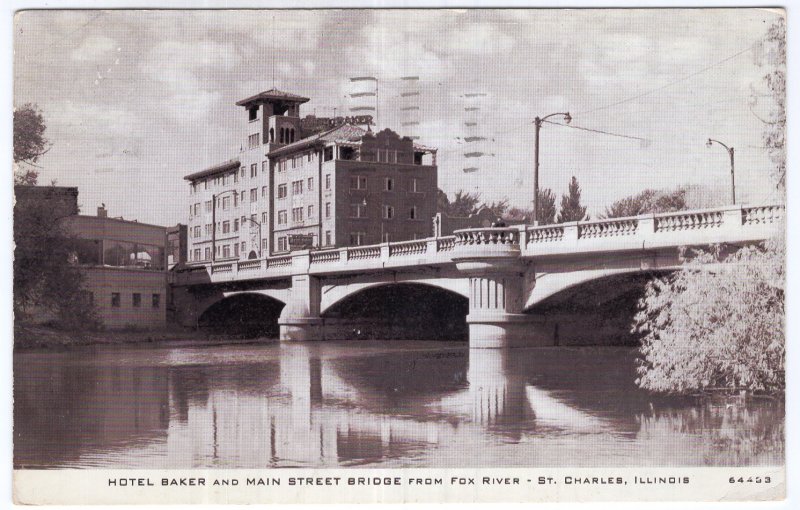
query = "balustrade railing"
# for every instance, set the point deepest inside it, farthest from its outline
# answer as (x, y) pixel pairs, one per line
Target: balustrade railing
(249, 265)
(222, 268)
(762, 215)
(364, 252)
(445, 243)
(407, 248)
(544, 234)
(319, 257)
(487, 236)
(608, 228)
(280, 261)
(688, 221)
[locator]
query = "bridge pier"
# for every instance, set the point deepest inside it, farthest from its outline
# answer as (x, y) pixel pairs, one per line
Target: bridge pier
(495, 317)
(300, 319)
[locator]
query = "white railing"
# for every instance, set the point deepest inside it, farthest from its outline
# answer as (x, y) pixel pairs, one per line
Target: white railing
(720, 225)
(402, 248)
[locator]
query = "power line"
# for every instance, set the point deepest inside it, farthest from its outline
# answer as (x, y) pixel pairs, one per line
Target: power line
(662, 87)
(645, 140)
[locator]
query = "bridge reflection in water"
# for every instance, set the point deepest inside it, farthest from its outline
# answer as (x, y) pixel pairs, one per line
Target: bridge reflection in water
(369, 404)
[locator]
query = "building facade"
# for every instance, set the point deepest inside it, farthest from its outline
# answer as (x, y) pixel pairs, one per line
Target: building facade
(124, 264)
(311, 182)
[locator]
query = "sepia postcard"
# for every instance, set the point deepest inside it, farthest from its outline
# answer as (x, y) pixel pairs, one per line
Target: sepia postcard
(399, 255)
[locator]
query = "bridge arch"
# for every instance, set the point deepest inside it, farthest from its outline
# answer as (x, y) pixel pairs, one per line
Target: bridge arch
(398, 310)
(247, 314)
(595, 309)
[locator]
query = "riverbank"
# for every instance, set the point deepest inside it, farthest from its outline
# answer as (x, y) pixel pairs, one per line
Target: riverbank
(29, 337)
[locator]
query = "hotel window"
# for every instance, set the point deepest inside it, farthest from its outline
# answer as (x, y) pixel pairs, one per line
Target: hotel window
(358, 211)
(388, 184)
(310, 211)
(252, 141)
(116, 301)
(235, 199)
(235, 249)
(327, 210)
(264, 167)
(327, 238)
(388, 212)
(208, 229)
(242, 221)
(226, 251)
(308, 155)
(196, 254)
(208, 205)
(235, 177)
(207, 255)
(226, 203)
(281, 217)
(412, 214)
(282, 244)
(328, 154)
(242, 171)
(263, 218)
(243, 247)
(263, 191)
(413, 185)
(205, 184)
(297, 214)
(156, 301)
(224, 180)
(281, 191)
(327, 181)
(137, 300)
(241, 197)
(226, 227)
(297, 187)
(357, 238)
(358, 182)
(197, 231)
(254, 170)
(254, 194)
(236, 225)
(310, 184)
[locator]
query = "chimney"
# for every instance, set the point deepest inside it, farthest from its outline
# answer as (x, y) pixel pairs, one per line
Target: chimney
(102, 212)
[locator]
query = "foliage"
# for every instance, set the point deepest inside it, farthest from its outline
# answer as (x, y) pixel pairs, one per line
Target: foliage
(571, 208)
(771, 52)
(713, 325)
(498, 208)
(647, 202)
(546, 206)
(462, 205)
(44, 279)
(29, 141)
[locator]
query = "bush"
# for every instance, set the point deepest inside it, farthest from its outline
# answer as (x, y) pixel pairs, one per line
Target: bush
(716, 325)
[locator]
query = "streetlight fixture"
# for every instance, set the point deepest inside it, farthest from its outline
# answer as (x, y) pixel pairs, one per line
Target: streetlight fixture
(711, 142)
(538, 122)
(214, 223)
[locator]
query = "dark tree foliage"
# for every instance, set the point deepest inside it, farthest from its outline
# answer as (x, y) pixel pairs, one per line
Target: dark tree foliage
(29, 141)
(45, 282)
(546, 206)
(571, 208)
(462, 205)
(648, 201)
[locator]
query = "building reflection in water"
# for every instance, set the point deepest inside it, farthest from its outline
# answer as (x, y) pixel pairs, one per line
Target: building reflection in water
(318, 405)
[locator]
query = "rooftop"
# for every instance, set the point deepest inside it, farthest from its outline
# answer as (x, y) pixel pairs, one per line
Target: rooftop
(228, 165)
(273, 94)
(346, 134)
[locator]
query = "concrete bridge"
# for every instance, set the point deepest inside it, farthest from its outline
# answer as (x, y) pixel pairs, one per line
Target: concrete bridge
(495, 276)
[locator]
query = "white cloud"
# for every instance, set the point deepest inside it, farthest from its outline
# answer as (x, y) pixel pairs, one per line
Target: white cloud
(93, 48)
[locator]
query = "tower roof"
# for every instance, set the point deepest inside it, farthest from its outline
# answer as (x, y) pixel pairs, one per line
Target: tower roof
(273, 95)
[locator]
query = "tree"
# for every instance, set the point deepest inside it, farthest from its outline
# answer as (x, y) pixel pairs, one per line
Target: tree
(546, 206)
(44, 278)
(708, 327)
(771, 52)
(462, 205)
(29, 141)
(647, 202)
(571, 209)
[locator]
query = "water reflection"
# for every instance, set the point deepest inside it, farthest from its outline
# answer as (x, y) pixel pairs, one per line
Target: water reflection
(369, 404)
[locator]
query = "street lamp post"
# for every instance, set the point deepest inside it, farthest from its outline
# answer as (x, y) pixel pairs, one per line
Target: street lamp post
(257, 224)
(538, 122)
(711, 142)
(214, 223)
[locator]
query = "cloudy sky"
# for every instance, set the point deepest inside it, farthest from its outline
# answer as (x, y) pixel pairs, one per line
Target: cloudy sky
(135, 100)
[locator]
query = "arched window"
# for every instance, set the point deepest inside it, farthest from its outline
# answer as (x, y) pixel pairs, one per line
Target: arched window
(281, 140)
(292, 134)
(272, 135)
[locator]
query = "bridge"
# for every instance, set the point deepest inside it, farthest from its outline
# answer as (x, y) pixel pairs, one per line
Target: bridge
(497, 277)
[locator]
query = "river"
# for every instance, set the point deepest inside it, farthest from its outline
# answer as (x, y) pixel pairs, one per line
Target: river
(370, 404)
